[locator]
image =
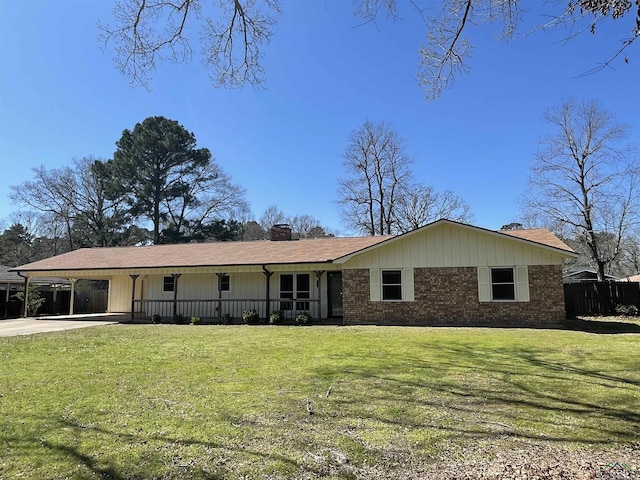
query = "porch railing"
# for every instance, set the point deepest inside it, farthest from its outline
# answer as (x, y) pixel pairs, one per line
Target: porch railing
(220, 309)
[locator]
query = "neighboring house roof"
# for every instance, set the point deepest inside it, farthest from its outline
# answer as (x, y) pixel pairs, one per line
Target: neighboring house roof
(8, 275)
(632, 278)
(263, 252)
(583, 275)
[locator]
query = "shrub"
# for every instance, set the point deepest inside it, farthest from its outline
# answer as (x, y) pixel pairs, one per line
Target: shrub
(250, 316)
(34, 299)
(303, 318)
(627, 310)
(179, 319)
(276, 318)
(226, 318)
(196, 320)
(156, 319)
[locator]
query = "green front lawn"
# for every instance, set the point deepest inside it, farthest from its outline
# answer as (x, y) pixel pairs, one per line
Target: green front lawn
(146, 401)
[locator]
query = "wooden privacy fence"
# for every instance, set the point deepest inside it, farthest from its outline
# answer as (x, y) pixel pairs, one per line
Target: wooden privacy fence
(599, 298)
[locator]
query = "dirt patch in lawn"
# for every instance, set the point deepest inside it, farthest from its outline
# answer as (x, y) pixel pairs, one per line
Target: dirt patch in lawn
(519, 461)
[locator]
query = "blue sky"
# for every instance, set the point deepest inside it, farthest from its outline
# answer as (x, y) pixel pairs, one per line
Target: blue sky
(61, 98)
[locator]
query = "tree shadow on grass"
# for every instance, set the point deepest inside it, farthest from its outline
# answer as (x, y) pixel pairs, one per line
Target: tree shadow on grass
(495, 392)
(595, 325)
(102, 469)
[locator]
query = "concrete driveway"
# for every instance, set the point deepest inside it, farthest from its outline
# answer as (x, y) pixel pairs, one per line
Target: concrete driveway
(31, 325)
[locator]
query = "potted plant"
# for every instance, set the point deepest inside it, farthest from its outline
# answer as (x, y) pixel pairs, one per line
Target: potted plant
(276, 317)
(250, 316)
(303, 318)
(196, 320)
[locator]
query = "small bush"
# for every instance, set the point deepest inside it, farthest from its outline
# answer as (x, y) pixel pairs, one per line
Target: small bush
(196, 320)
(627, 310)
(303, 318)
(276, 318)
(250, 316)
(226, 319)
(180, 320)
(156, 319)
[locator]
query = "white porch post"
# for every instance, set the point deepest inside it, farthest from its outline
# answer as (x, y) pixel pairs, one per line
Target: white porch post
(26, 297)
(73, 294)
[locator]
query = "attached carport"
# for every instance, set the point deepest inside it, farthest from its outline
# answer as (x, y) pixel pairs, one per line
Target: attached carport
(55, 290)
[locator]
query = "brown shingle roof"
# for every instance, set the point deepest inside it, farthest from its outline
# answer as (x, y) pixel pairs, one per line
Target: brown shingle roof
(539, 235)
(262, 252)
(206, 254)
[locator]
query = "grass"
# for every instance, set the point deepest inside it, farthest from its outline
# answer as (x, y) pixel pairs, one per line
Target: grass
(214, 402)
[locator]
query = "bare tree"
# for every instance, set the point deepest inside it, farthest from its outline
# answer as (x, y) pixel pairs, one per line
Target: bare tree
(377, 170)
(234, 32)
(302, 226)
(147, 32)
(52, 192)
(210, 195)
(585, 180)
(272, 216)
(446, 51)
(420, 204)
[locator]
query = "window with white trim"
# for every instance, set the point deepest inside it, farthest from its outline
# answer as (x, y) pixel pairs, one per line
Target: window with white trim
(391, 284)
(503, 284)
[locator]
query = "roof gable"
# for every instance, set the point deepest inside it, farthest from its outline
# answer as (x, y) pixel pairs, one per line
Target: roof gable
(539, 237)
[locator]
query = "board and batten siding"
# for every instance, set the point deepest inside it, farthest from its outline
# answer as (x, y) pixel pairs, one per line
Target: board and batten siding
(204, 286)
(120, 293)
(454, 246)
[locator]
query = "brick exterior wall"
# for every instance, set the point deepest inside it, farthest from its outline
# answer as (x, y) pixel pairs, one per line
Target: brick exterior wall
(449, 296)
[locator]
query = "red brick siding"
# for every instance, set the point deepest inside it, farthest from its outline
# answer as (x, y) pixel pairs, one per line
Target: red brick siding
(449, 296)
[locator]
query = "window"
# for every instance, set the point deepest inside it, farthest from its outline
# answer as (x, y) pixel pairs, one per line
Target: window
(391, 285)
(168, 284)
(295, 287)
(224, 283)
(503, 285)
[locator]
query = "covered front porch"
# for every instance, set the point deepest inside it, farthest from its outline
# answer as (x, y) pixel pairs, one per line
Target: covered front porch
(224, 296)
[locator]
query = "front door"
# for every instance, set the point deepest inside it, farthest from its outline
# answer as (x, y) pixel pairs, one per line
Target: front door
(334, 286)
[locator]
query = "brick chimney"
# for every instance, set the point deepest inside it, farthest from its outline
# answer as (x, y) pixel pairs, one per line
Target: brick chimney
(280, 232)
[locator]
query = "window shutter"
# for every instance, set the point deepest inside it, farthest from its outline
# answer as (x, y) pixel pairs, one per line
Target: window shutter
(374, 284)
(522, 284)
(407, 285)
(484, 284)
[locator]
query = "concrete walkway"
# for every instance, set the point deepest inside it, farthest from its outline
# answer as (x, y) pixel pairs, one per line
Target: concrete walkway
(31, 325)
